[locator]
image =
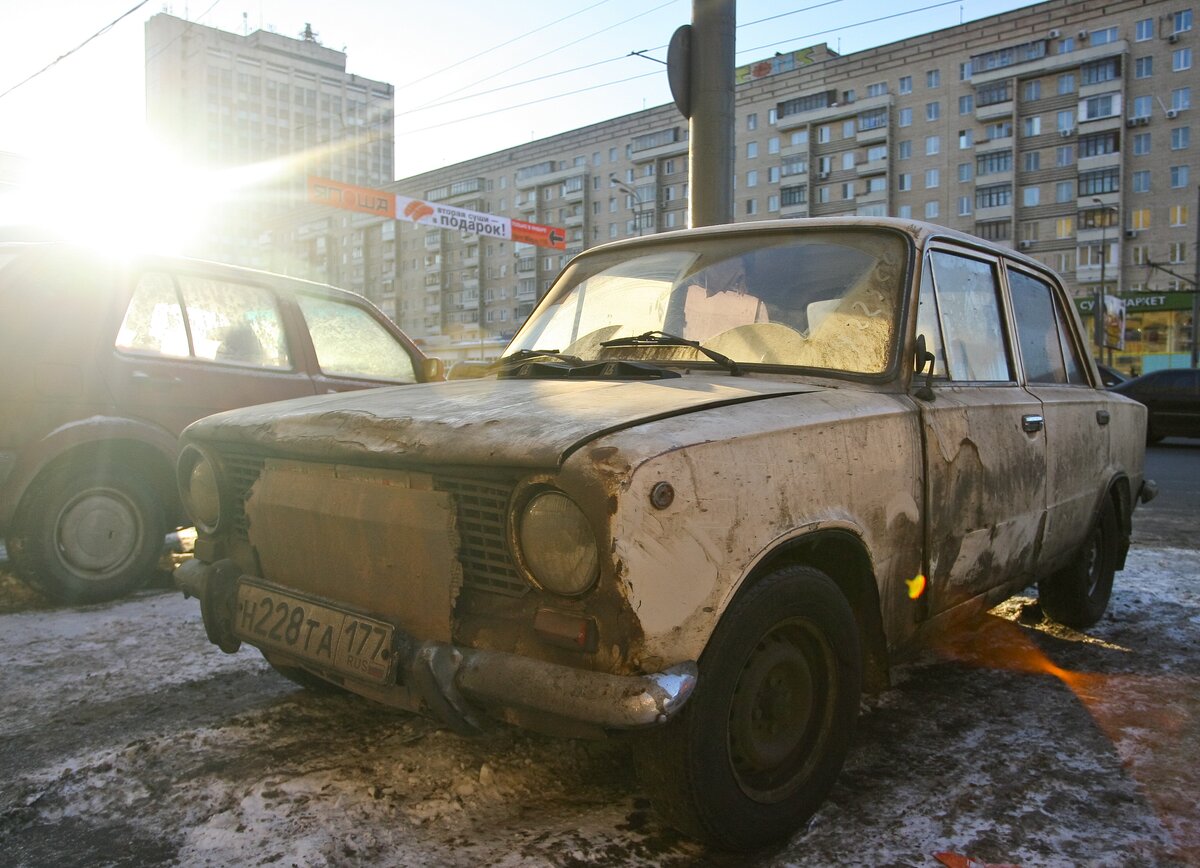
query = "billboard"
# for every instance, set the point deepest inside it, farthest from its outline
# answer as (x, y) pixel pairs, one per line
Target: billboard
(335, 194)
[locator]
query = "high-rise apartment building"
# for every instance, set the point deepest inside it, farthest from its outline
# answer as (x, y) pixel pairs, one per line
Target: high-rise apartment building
(1064, 129)
(221, 100)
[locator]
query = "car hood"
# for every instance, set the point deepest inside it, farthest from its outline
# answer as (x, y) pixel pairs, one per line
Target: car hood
(522, 423)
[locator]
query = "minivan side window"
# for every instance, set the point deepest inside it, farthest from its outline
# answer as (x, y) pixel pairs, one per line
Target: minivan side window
(350, 342)
(968, 297)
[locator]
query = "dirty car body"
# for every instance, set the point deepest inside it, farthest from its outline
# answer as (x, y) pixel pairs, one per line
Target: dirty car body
(720, 479)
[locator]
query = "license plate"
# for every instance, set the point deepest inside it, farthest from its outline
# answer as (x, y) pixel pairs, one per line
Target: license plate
(342, 641)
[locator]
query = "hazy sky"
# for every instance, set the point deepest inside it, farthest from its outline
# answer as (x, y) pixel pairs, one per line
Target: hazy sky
(441, 56)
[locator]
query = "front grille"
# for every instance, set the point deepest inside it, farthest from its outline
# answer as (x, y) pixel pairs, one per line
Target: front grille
(481, 509)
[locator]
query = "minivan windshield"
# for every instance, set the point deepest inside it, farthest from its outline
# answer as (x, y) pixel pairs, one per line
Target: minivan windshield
(806, 298)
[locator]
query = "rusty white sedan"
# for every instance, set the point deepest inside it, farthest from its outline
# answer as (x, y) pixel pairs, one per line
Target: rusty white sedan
(719, 481)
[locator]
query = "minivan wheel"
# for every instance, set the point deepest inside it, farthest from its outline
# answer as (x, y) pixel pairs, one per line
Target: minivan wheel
(89, 534)
(1077, 595)
(760, 742)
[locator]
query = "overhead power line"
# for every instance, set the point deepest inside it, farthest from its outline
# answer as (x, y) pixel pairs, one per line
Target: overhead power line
(62, 57)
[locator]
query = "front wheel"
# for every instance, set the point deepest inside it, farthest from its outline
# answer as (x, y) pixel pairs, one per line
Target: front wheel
(1078, 594)
(89, 534)
(759, 744)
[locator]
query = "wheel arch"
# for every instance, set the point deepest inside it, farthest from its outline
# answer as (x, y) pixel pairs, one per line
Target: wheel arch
(1121, 498)
(843, 556)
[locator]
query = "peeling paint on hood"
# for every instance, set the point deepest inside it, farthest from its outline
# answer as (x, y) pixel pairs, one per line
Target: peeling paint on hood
(516, 423)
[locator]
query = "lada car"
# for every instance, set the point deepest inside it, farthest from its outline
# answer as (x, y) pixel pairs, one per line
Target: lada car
(105, 360)
(717, 483)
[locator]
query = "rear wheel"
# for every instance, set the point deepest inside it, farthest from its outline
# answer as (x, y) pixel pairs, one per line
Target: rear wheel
(89, 534)
(760, 742)
(1078, 594)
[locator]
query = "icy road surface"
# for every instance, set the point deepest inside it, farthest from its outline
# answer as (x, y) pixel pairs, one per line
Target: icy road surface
(126, 739)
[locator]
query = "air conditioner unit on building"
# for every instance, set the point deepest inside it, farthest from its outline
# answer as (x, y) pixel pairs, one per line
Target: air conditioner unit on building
(1024, 244)
(822, 175)
(1143, 121)
(1131, 233)
(1131, 122)
(1083, 34)
(1173, 38)
(1172, 114)
(1054, 34)
(1069, 131)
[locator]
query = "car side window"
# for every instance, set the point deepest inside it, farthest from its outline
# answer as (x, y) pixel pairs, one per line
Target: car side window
(968, 297)
(350, 342)
(234, 323)
(928, 323)
(1037, 330)
(154, 321)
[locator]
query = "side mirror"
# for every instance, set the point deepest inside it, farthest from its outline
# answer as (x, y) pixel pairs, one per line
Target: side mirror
(923, 358)
(469, 369)
(433, 370)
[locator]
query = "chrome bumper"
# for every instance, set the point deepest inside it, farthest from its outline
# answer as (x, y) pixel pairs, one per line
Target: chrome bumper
(455, 684)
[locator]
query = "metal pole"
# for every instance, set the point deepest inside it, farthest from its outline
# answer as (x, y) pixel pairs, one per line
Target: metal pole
(633, 194)
(1098, 313)
(1196, 288)
(710, 164)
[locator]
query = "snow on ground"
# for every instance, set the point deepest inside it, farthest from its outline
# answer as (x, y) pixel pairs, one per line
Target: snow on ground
(126, 739)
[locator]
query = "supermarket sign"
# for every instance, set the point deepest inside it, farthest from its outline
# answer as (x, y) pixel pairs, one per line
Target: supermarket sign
(364, 200)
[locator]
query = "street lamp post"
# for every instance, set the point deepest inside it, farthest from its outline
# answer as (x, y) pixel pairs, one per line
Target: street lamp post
(1098, 313)
(637, 199)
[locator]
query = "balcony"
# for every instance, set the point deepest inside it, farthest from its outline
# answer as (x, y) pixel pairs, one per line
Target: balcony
(872, 197)
(527, 265)
(671, 149)
(794, 150)
(995, 110)
(471, 284)
(1100, 161)
(797, 210)
(872, 135)
(994, 178)
(1051, 63)
(996, 212)
(833, 112)
(986, 146)
(551, 177)
(1086, 202)
(574, 219)
(872, 167)
(433, 308)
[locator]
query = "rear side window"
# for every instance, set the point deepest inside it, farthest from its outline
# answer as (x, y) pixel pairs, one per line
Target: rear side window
(350, 342)
(1046, 350)
(204, 318)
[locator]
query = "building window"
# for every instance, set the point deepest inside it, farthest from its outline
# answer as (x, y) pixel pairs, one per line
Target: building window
(1142, 106)
(1066, 45)
(847, 191)
(824, 134)
(994, 163)
(1181, 60)
(993, 94)
(772, 116)
(966, 104)
(933, 110)
(1101, 71)
(1179, 215)
(1103, 106)
(773, 203)
(1033, 90)
(994, 196)
(932, 178)
(752, 178)
(1143, 30)
(904, 212)
(1179, 176)
(931, 210)
(751, 150)
(879, 88)
(966, 138)
(1143, 67)
(964, 206)
(1176, 252)
(773, 145)
(751, 207)
(1181, 99)
(906, 84)
(933, 145)
(1064, 227)
(1031, 161)
(1182, 21)
(964, 71)
(773, 175)
(848, 129)
(1103, 36)
(1139, 219)
(1181, 138)
(904, 182)
(1031, 197)
(905, 117)
(1141, 144)
(1064, 191)
(848, 160)
(904, 149)
(964, 172)
(1066, 83)
(1065, 120)
(1097, 144)
(933, 78)
(1031, 126)
(752, 121)
(1064, 155)
(1101, 181)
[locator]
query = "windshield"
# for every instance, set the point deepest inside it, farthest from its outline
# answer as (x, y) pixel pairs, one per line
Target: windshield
(819, 299)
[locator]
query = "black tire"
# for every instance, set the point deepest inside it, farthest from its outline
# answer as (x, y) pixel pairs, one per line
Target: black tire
(88, 534)
(1077, 595)
(761, 740)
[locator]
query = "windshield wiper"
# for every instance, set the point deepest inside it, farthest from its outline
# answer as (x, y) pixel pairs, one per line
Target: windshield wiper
(663, 339)
(522, 356)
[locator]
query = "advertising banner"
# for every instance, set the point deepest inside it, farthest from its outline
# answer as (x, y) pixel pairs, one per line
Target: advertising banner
(379, 202)
(1114, 322)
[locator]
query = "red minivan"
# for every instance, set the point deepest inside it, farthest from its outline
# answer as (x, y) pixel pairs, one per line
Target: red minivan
(103, 361)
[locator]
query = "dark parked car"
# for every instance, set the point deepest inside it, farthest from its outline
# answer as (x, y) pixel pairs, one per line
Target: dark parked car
(106, 360)
(718, 482)
(1173, 399)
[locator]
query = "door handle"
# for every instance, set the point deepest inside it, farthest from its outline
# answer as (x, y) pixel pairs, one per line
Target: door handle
(1102, 417)
(1032, 423)
(143, 377)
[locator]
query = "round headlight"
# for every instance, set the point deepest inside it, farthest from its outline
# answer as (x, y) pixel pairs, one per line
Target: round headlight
(198, 488)
(557, 544)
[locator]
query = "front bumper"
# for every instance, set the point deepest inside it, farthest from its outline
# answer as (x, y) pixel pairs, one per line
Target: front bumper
(459, 685)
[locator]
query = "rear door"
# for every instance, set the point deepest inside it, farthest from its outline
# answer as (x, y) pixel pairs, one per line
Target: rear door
(1077, 415)
(984, 444)
(194, 343)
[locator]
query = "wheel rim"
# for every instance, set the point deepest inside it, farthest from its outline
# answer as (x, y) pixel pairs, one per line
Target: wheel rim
(1094, 560)
(98, 533)
(780, 711)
